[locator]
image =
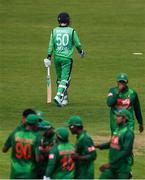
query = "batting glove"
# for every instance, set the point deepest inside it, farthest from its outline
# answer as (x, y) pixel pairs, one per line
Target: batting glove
(46, 178)
(47, 62)
(82, 53)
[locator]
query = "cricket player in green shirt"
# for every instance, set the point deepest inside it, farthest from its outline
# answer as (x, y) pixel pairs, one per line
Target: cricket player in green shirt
(60, 163)
(123, 97)
(24, 150)
(21, 126)
(120, 149)
(85, 150)
(48, 139)
(63, 39)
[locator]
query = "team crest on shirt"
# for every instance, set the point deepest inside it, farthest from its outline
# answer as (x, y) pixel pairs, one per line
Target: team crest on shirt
(92, 148)
(51, 156)
(110, 94)
(115, 142)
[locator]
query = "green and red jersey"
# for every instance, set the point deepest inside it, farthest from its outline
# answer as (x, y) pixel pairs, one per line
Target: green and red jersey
(24, 149)
(127, 99)
(8, 142)
(48, 141)
(85, 147)
(45, 145)
(60, 163)
(121, 149)
(62, 42)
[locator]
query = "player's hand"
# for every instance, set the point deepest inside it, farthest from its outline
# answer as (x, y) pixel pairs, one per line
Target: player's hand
(75, 156)
(47, 148)
(46, 178)
(98, 146)
(141, 128)
(82, 53)
(104, 167)
(40, 148)
(47, 62)
(122, 86)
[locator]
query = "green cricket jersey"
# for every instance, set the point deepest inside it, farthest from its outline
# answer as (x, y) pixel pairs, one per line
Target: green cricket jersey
(48, 141)
(45, 142)
(121, 147)
(8, 142)
(60, 163)
(24, 146)
(85, 147)
(62, 42)
(127, 99)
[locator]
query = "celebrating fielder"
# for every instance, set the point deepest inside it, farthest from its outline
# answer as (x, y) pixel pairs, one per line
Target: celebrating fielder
(85, 150)
(24, 143)
(60, 163)
(63, 39)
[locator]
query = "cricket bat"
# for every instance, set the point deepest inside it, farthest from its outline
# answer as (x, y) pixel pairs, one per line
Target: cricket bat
(48, 86)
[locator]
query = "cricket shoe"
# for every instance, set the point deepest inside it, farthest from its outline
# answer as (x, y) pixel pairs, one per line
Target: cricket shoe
(130, 175)
(58, 101)
(65, 101)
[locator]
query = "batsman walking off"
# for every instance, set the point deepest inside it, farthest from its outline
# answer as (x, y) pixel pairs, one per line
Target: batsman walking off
(63, 39)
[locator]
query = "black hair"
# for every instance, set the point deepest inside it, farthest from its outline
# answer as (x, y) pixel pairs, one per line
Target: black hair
(28, 111)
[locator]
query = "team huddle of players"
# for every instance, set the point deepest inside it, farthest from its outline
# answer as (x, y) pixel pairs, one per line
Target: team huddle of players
(41, 151)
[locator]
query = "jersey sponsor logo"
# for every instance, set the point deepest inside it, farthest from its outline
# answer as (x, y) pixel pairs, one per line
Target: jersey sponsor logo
(23, 140)
(66, 152)
(110, 94)
(92, 148)
(123, 103)
(51, 156)
(115, 142)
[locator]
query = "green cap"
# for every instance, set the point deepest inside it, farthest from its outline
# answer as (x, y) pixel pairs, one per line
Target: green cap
(122, 77)
(40, 114)
(62, 133)
(45, 125)
(75, 120)
(32, 119)
(125, 113)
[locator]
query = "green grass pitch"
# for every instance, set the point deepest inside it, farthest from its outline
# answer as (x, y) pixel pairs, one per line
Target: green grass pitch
(110, 31)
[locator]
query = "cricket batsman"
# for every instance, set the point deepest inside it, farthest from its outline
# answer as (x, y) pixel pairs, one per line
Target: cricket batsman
(123, 97)
(63, 39)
